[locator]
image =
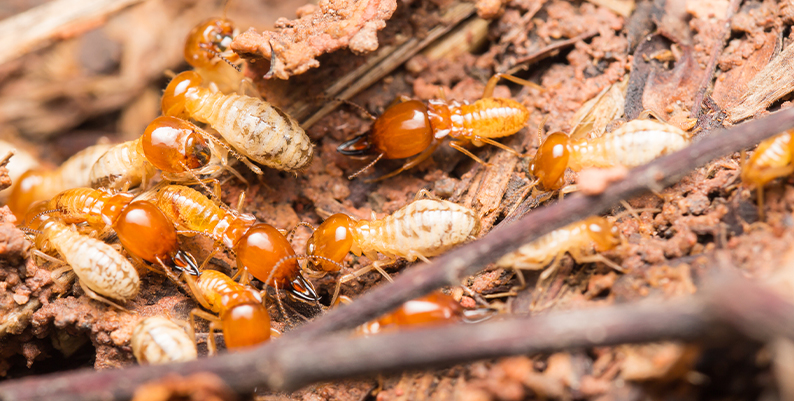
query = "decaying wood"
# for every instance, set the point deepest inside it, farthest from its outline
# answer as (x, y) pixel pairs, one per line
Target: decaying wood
(378, 66)
(333, 25)
(58, 19)
(290, 364)
(771, 84)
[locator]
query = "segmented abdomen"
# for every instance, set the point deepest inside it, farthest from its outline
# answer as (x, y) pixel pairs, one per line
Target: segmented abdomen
(98, 266)
(78, 205)
(635, 143)
(189, 209)
(425, 227)
(771, 159)
(492, 117)
(257, 129)
(122, 167)
(214, 285)
(157, 340)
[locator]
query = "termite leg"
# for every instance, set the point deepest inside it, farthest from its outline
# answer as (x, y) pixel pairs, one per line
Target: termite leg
(459, 146)
(581, 259)
(96, 297)
(498, 145)
(568, 189)
(377, 265)
(491, 85)
(48, 257)
(211, 344)
(645, 114)
(194, 292)
(414, 161)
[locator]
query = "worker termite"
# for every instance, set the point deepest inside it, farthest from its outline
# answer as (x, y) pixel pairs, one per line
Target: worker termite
(255, 128)
(102, 271)
(143, 230)
(577, 239)
(421, 229)
(207, 51)
(36, 185)
(430, 310)
(243, 319)
(157, 340)
(178, 148)
(411, 129)
(772, 158)
(633, 144)
(258, 246)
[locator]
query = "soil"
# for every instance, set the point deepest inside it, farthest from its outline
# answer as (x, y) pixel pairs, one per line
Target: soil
(102, 84)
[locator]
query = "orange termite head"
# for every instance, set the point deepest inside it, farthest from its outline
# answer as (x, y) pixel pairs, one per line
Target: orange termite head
(333, 239)
(172, 144)
(551, 161)
(260, 250)
(24, 192)
(147, 233)
(603, 233)
(244, 323)
(403, 130)
(177, 92)
(208, 40)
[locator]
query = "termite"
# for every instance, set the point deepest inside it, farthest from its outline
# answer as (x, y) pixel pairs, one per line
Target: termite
(412, 129)
(36, 185)
(178, 148)
(143, 230)
(422, 229)
(633, 144)
(258, 246)
(430, 310)
(157, 340)
(242, 317)
(772, 158)
(255, 128)
(103, 272)
(579, 239)
(207, 51)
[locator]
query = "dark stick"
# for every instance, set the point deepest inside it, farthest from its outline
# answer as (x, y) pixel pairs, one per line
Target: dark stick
(544, 52)
(712, 65)
(453, 267)
(291, 364)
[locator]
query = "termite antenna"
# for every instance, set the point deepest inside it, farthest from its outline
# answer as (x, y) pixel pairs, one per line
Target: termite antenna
(30, 230)
(220, 56)
(291, 232)
(357, 173)
(364, 112)
(36, 217)
(204, 186)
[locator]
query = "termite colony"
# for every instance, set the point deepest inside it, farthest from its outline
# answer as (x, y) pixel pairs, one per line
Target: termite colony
(207, 120)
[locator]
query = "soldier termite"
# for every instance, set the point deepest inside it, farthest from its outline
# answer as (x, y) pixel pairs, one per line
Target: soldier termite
(242, 317)
(157, 340)
(258, 246)
(255, 128)
(411, 129)
(103, 272)
(423, 228)
(36, 185)
(772, 158)
(207, 51)
(633, 144)
(143, 230)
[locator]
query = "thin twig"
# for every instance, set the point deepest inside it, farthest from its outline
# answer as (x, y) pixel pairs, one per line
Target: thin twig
(546, 51)
(715, 53)
(290, 364)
